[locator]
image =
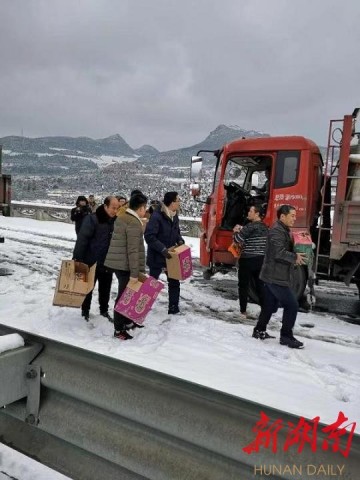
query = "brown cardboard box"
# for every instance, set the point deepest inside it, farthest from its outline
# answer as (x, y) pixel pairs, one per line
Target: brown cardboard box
(179, 267)
(74, 282)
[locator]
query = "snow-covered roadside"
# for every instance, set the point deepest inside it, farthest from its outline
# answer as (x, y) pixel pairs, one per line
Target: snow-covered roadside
(14, 465)
(199, 346)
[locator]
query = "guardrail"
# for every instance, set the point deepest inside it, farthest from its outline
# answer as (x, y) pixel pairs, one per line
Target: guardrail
(190, 226)
(90, 416)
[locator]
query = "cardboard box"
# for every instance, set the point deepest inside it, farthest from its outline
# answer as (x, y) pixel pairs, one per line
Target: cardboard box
(179, 267)
(74, 282)
(303, 244)
(138, 298)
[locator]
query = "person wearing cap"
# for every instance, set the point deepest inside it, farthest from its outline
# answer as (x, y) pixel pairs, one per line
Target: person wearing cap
(161, 233)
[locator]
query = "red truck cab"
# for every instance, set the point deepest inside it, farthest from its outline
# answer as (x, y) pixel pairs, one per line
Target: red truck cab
(291, 170)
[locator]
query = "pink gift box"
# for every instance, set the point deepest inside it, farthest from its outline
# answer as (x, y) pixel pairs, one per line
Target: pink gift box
(136, 301)
(179, 266)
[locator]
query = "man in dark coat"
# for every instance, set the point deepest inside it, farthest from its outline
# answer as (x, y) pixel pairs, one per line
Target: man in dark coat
(161, 233)
(79, 212)
(91, 247)
(276, 274)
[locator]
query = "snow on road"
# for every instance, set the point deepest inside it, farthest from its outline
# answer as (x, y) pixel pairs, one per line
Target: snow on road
(208, 344)
(15, 466)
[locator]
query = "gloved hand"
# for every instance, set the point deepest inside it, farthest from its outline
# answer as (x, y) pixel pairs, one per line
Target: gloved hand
(180, 242)
(166, 253)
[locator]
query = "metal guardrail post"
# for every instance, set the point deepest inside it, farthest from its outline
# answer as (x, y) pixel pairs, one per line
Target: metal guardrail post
(13, 368)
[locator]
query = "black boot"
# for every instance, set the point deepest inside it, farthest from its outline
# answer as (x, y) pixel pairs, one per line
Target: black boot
(262, 335)
(107, 315)
(291, 342)
(173, 310)
(123, 335)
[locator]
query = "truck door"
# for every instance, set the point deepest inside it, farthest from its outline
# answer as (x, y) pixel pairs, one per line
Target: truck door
(214, 205)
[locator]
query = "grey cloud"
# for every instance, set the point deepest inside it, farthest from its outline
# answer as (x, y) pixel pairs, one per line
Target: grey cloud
(167, 72)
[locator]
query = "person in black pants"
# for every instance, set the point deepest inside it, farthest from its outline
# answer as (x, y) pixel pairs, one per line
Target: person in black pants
(252, 240)
(126, 256)
(161, 233)
(91, 247)
(276, 273)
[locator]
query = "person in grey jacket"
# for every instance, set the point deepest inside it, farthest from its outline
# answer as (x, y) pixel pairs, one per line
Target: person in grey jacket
(126, 256)
(276, 274)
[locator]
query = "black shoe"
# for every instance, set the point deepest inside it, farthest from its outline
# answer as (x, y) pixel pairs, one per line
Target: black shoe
(106, 315)
(133, 325)
(262, 335)
(173, 310)
(123, 335)
(85, 314)
(291, 342)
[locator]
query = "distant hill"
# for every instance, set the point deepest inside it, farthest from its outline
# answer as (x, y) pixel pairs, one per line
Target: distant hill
(216, 139)
(63, 155)
(113, 145)
(73, 155)
(146, 150)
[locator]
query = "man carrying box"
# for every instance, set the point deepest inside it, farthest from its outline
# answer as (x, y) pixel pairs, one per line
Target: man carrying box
(91, 247)
(161, 233)
(276, 274)
(126, 256)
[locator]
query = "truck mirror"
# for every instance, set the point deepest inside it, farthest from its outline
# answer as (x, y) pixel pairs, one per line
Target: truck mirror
(196, 166)
(195, 189)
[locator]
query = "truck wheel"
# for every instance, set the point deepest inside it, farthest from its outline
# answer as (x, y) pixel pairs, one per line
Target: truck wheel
(298, 284)
(208, 273)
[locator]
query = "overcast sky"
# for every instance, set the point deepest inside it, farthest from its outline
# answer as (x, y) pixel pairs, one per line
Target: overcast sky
(167, 72)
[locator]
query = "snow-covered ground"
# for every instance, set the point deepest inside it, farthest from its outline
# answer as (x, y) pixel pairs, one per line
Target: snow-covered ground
(208, 344)
(15, 466)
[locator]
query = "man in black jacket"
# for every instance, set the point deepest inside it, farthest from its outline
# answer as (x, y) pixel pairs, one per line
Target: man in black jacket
(91, 247)
(163, 232)
(276, 274)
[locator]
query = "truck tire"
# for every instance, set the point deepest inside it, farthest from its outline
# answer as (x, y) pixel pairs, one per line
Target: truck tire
(298, 284)
(208, 273)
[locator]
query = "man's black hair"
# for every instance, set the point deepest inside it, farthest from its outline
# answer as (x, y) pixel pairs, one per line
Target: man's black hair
(259, 209)
(284, 210)
(137, 201)
(170, 197)
(136, 192)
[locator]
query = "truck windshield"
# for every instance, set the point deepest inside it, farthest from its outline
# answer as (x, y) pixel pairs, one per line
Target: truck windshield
(235, 173)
